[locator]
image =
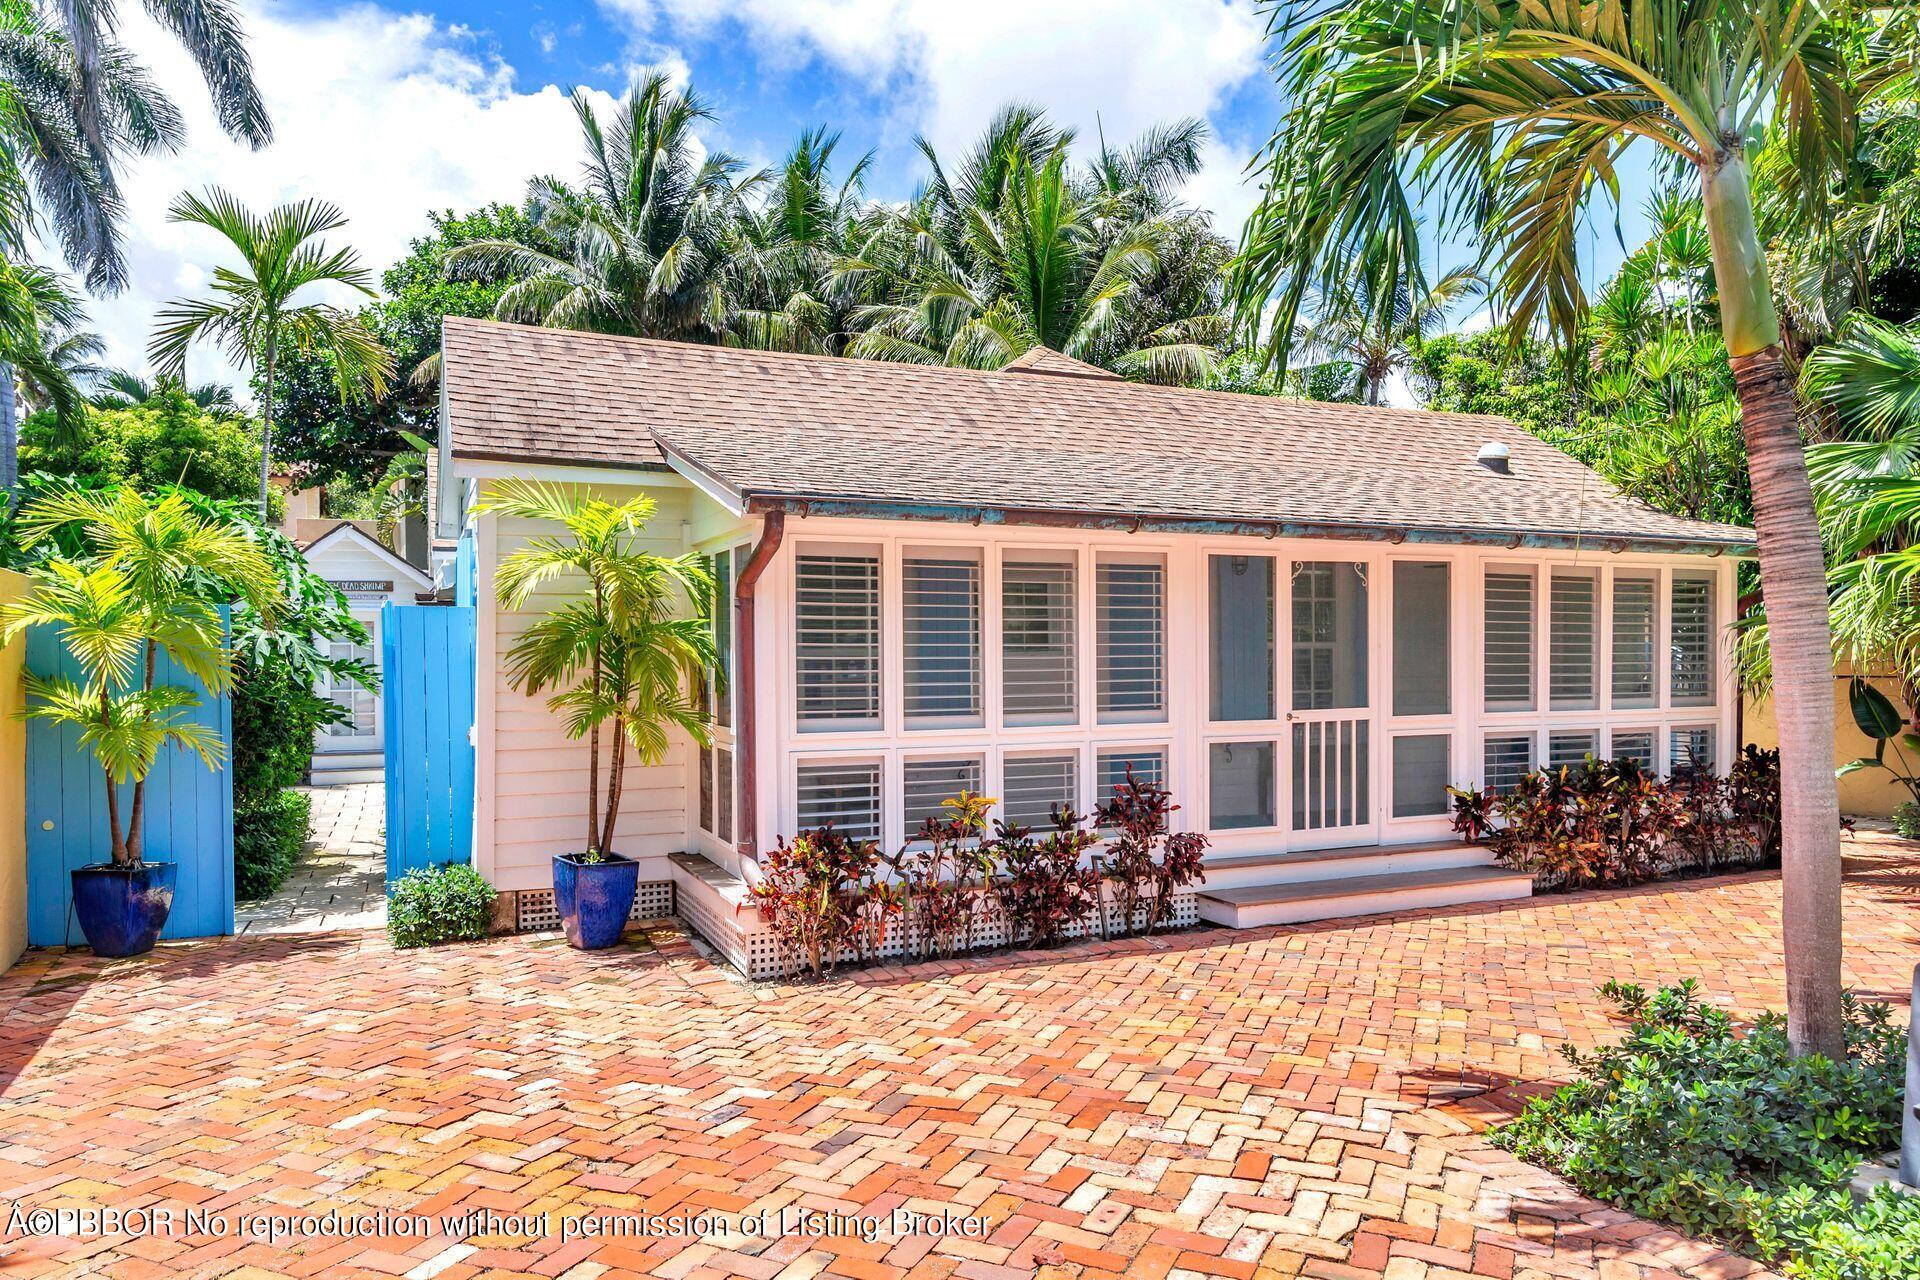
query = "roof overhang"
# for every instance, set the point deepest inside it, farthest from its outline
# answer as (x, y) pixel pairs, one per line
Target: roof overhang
(345, 532)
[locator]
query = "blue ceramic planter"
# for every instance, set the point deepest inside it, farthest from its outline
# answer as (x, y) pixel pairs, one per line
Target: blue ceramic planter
(594, 899)
(122, 909)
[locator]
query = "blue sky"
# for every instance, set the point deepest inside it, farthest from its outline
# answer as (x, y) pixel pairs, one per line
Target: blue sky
(394, 109)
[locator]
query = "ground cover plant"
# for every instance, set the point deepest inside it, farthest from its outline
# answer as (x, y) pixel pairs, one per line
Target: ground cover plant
(431, 905)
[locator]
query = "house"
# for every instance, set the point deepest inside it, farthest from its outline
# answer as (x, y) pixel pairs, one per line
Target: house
(1307, 619)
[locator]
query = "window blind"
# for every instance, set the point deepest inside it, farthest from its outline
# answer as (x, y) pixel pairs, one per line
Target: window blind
(1509, 641)
(1573, 641)
(1039, 673)
(940, 599)
(1032, 786)
(1130, 641)
(1635, 745)
(1692, 629)
(837, 638)
(1633, 652)
(1570, 748)
(1507, 756)
(1148, 765)
(927, 785)
(1690, 747)
(847, 795)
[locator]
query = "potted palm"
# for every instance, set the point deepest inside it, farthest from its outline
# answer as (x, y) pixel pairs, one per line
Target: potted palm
(625, 649)
(126, 580)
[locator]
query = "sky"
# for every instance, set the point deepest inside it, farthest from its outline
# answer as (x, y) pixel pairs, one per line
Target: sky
(391, 111)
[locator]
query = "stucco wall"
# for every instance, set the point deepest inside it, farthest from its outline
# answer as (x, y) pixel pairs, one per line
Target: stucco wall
(13, 798)
(1866, 793)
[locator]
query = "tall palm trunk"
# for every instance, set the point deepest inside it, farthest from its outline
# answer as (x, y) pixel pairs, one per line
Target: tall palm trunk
(266, 424)
(1794, 584)
(9, 434)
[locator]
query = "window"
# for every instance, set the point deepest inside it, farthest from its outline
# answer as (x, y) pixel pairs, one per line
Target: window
(1571, 747)
(706, 790)
(1633, 653)
(927, 785)
(1033, 787)
(1240, 628)
(723, 787)
(723, 637)
(1635, 745)
(940, 600)
(1691, 747)
(837, 640)
(1507, 757)
(1422, 635)
(847, 795)
(1130, 640)
(360, 704)
(1037, 640)
(1692, 626)
(1509, 641)
(1421, 769)
(1573, 641)
(1148, 764)
(1240, 785)
(1329, 636)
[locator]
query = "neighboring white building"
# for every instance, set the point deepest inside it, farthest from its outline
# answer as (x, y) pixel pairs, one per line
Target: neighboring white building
(1308, 619)
(348, 555)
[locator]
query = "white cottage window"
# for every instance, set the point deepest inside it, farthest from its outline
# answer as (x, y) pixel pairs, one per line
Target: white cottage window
(1633, 640)
(846, 794)
(837, 640)
(1692, 631)
(1508, 654)
(1573, 640)
(1130, 607)
(1038, 631)
(940, 659)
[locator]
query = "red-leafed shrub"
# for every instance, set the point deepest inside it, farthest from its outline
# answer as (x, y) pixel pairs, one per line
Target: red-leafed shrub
(1145, 861)
(813, 890)
(1044, 887)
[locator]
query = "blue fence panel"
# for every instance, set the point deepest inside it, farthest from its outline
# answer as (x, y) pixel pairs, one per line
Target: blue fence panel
(189, 816)
(427, 683)
(466, 570)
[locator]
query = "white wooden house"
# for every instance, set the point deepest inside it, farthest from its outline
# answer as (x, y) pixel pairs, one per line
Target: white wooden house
(1308, 619)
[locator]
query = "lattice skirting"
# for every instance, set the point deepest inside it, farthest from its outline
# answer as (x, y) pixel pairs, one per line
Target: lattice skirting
(533, 908)
(753, 948)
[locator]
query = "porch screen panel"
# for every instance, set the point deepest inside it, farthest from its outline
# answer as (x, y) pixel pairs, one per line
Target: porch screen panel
(1636, 745)
(1329, 635)
(1508, 655)
(1422, 767)
(1633, 641)
(1039, 671)
(847, 795)
(1240, 637)
(1422, 639)
(723, 792)
(1130, 630)
(723, 637)
(1573, 641)
(1690, 747)
(1507, 756)
(928, 784)
(837, 640)
(1240, 785)
(1692, 627)
(1032, 786)
(706, 791)
(941, 646)
(1571, 747)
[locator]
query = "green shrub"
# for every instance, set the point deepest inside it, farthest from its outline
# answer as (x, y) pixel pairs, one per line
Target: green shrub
(1832, 1236)
(451, 903)
(268, 835)
(1685, 1120)
(1906, 820)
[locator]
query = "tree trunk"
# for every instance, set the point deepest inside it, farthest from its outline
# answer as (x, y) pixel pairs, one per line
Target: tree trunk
(1794, 586)
(616, 777)
(118, 837)
(266, 427)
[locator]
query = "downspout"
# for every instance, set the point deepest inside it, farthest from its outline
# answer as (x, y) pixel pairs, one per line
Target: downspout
(746, 735)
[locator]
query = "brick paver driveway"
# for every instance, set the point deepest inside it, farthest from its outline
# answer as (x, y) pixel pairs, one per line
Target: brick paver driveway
(1288, 1101)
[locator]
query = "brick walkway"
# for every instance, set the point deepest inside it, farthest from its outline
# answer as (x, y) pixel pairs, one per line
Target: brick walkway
(1295, 1101)
(340, 881)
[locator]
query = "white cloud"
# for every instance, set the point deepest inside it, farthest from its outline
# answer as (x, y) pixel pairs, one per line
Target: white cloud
(1117, 65)
(387, 115)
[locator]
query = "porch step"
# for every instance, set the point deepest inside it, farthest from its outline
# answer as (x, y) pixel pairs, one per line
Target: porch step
(1297, 865)
(1292, 902)
(338, 768)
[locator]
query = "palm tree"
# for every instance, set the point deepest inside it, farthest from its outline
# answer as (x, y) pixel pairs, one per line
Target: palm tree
(624, 648)
(641, 237)
(36, 306)
(1012, 249)
(257, 313)
(1374, 325)
(781, 247)
(125, 389)
(1517, 112)
(139, 589)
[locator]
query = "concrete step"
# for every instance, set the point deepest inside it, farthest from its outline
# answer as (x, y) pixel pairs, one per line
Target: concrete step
(1297, 865)
(338, 768)
(1250, 906)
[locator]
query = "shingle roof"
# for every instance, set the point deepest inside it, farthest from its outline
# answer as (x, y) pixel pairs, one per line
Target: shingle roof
(769, 426)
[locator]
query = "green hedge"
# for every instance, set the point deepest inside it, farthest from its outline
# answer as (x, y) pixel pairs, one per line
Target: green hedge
(268, 835)
(450, 903)
(274, 720)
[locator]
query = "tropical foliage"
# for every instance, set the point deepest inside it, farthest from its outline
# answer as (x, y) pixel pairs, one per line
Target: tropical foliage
(166, 439)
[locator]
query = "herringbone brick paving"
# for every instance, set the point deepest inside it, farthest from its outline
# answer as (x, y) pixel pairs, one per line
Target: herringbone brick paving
(1288, 1102)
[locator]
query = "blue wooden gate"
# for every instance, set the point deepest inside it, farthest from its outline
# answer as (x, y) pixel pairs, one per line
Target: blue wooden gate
(189, 815)
(427, 683)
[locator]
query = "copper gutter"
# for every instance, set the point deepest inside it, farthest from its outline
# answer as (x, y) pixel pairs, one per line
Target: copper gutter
(746, 734)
